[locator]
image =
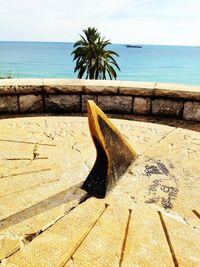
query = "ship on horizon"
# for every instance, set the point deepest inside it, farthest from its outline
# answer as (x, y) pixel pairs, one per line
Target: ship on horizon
(134, 46)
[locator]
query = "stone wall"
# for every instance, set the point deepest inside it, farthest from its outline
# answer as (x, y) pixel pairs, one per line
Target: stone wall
(120, 97)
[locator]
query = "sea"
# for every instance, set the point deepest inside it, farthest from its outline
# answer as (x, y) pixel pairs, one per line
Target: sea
(156, 63)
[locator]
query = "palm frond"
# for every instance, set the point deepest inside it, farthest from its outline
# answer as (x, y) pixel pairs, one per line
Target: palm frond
(92, 59)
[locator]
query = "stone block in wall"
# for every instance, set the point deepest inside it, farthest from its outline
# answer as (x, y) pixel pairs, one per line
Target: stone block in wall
(116, 104)
(85, 98)
(62, 103)
(191, 111)
(9, 104)
(30, 103)
(166, 107)
(142, 105)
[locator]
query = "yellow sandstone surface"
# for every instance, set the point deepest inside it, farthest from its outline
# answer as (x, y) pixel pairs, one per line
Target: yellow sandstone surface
(151, 218)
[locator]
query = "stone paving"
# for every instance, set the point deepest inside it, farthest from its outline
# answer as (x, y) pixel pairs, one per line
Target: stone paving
(151, 218)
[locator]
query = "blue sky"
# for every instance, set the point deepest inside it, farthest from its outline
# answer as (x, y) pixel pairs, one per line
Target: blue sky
(175, 22)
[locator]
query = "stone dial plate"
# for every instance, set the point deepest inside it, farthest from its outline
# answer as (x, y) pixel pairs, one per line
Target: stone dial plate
(151, 218)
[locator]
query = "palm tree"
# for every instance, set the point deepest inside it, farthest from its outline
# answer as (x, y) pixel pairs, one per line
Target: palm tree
(92, 58)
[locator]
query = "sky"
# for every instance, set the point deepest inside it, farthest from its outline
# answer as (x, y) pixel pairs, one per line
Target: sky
(166, 22)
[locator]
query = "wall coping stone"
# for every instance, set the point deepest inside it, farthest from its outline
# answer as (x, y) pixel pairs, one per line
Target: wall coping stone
(52, 85)
(177, 91)
(19, 86)
(137, 88)
(100, 86)
(67, 86)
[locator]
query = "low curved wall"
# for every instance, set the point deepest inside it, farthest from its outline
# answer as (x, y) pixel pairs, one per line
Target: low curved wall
(18, 96)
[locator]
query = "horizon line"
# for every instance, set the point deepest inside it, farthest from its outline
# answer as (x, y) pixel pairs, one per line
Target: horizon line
(72, 42)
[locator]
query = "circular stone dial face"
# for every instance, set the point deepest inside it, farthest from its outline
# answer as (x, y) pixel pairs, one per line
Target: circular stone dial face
(151, 217)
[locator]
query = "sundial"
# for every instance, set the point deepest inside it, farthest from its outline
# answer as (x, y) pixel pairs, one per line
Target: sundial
(136, 204)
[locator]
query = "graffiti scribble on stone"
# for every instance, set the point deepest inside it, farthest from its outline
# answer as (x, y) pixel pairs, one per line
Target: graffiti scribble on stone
(151, 169)
(163, 193)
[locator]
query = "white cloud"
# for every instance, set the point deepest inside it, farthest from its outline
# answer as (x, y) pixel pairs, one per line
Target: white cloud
(121, 21)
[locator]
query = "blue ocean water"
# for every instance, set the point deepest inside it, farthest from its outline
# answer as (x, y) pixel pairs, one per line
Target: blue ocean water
(176, 64)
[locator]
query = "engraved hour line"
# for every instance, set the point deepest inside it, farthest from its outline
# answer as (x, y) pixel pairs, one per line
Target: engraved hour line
(84, 237)
(125, 238)
(196, 213)
(28, 188)
(25, 158)
(168, 239)
(25, 142)
(17, 174)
